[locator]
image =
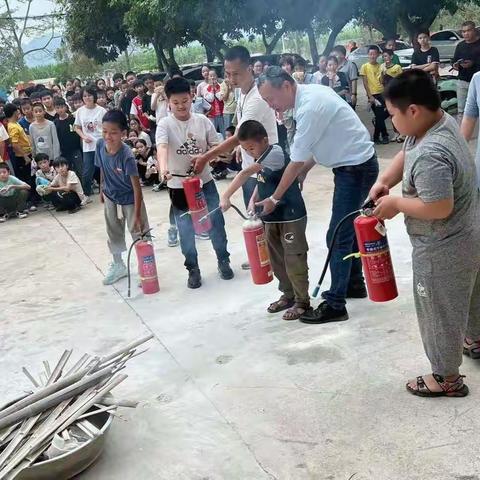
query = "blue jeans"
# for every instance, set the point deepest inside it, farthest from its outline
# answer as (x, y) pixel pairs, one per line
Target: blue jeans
(352, 185)
(218, 236)
(88, 172)
(228, 119)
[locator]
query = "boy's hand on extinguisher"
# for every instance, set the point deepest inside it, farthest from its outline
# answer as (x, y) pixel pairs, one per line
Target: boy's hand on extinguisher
(198, 163)
(225, 204)
(386, 207)
(267, 206)
(378, 190)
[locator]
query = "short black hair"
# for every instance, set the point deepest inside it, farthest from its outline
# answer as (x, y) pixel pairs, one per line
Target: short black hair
(192, 83)
(142, 141)
(38, 105)
(341, 49)
(251, 130)
(4, 166)
(35, 97)
(469, 23)
(91, 90)
(117, 76)
(117, 117)
(130, 73)
(9, 110)
(59, 161)
(59, 102)
(332, 58)
(231, 129)
(147, 76)
(413, 87)
(40, 157)
(176, 85)
(109, 89)
(138, 83)
(69, 93)
(389, 52)
(374, 47)
(17, 101)
(286, 60)
(423, 31)
(238, 52)
(25, 101)
(46, 93)
(76, 97)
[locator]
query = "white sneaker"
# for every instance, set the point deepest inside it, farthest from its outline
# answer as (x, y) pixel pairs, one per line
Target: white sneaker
(86, 201)
(116, 272)
(33, 208)
(21, 215)
(3, 218)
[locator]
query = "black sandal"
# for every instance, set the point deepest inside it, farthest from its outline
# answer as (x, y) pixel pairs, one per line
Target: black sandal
(293, 313)
(283, 303)
(472, 350)
(449, 389)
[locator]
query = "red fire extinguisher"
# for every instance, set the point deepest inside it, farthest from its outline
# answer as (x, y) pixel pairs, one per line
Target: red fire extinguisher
(257, 251)
(147, 267)
(197, 205)
(376, 260)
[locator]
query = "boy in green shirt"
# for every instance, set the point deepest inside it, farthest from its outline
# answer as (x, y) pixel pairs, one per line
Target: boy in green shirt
(13, 194)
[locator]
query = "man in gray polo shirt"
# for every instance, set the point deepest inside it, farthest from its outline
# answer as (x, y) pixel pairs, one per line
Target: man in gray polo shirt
(329, 131)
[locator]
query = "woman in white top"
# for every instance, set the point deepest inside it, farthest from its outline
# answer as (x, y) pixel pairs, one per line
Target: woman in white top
(88, 125)
(202, 86)
(137, 128)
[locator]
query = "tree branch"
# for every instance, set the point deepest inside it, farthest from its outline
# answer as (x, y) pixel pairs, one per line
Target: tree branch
(14, 31)
(42, 48)
(25, 21)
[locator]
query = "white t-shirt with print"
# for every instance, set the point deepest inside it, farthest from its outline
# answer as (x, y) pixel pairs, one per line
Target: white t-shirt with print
(70, 179)
(251, 106)
(185, 139)
(90, 120)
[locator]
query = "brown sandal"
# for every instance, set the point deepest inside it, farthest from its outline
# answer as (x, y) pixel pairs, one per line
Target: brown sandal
(472, 350)
(296, 311)
(283, 303)
(449, 389)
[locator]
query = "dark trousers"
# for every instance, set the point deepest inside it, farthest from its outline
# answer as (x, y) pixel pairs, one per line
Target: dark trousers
(218, 236)
(352, 185)
(75, 163)
(23, 171)
(381, 114)
(16, 203)
(88, 172)
(65, 201)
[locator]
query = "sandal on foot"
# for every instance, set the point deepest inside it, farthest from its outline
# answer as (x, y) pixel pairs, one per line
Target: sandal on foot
(283, 303)
(295, 312)
(471, 349)
(449, 389)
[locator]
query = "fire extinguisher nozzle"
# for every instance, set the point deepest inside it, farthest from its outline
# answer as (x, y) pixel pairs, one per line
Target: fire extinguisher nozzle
(315, 291)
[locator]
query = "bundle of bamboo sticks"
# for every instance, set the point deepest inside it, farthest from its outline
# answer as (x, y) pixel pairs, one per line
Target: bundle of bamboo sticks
(60, 401)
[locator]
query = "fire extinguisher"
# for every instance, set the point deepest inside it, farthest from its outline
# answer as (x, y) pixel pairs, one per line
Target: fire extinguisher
(376, 260)
(257, 251)
(197, 205)
(374, 253)
(147, 267)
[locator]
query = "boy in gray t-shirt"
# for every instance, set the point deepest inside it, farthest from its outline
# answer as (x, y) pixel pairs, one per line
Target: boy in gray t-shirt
(441, 206)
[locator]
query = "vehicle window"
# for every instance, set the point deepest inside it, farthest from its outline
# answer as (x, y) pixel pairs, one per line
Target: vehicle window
(361, 51)
(401, 45)
(443, 36)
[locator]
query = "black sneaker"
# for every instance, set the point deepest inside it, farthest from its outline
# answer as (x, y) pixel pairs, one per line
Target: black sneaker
(194, 278)
(225, 271)
(74, 210)
(324, 313)
(357, 290)
(385, 140)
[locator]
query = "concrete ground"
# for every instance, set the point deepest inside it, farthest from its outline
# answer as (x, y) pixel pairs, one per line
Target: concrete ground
(228, 391)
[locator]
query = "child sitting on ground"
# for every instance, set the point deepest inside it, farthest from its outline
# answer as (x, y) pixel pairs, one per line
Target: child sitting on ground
(44, 176)
(441, 206)
(67, 188)
(13, 195)
(145, 157)
(121, 192)
(284, 227)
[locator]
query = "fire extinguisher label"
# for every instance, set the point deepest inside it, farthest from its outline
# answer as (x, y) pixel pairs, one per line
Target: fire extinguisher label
(262, 250)
(378, 262)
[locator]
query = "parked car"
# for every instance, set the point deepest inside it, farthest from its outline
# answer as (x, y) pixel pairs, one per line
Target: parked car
(195, 72)
(360, 55)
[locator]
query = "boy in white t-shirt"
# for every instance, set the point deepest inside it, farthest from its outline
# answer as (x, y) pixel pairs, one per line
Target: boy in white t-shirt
(180, 137)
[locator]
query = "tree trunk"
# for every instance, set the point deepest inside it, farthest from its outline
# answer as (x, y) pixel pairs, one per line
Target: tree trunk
(159, 55)
(336, 29)
(270, 46)
(312, 41)
(127, 59)
(171, 60)
(414, 24)
(210, 54)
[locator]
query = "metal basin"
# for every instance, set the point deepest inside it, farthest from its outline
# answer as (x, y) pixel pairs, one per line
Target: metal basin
(71, 463)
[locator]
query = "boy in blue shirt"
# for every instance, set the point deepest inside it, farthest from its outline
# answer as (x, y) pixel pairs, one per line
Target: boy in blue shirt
(121, 192)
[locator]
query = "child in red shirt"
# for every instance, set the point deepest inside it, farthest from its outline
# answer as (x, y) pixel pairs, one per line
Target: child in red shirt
(136, 109)
(215, 98)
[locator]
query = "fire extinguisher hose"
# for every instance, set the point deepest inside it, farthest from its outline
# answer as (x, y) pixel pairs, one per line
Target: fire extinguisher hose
(366, 207)
(142, 237)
